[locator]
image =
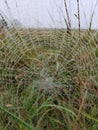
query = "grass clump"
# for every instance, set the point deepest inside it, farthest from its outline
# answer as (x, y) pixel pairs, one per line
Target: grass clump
(49, 80)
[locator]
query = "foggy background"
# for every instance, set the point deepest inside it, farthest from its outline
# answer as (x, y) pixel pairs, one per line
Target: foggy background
(49, 13)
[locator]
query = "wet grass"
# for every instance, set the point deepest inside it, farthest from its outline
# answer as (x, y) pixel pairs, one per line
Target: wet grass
(48, 80)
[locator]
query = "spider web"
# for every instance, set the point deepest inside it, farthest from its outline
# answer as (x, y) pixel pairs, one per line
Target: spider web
(51, 59)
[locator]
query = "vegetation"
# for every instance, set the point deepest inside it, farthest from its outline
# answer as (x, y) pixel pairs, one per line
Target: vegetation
(49, 78)
(49, 82)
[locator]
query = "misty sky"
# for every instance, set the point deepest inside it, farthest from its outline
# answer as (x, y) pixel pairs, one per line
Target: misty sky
(49, 13)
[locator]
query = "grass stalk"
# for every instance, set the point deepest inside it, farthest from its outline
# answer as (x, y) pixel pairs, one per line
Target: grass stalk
(68, 18)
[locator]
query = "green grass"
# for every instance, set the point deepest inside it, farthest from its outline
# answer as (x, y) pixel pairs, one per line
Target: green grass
(49, 80)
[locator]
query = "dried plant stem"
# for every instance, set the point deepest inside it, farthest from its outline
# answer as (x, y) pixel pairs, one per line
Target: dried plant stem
(78, 8)
(83, 97)
(67, 13)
